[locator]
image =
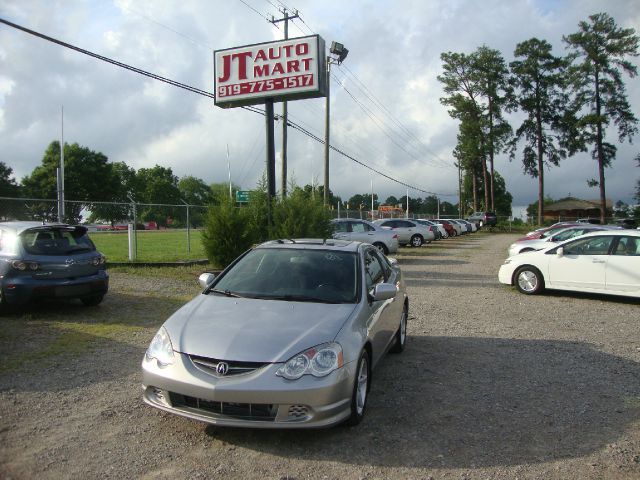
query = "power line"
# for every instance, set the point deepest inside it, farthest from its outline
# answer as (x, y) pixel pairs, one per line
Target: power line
(262, 15)
(205, 94)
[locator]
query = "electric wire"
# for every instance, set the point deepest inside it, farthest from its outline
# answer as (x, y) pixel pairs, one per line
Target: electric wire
(262, 15)
(208, 95)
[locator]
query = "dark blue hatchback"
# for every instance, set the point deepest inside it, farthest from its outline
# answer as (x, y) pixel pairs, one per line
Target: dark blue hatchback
(49, 261)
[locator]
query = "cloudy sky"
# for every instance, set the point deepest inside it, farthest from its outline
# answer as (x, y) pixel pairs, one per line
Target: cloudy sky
(385, 108)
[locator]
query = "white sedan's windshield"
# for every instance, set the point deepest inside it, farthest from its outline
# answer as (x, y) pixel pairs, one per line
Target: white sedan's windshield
(293, 274)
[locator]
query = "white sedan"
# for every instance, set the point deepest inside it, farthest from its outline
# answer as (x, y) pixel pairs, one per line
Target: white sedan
(568, 233)
(599, 262)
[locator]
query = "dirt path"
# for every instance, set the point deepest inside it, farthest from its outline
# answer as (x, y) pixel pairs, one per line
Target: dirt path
(493, 384)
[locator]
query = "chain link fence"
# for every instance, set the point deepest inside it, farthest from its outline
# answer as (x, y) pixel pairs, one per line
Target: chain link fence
(161, 232)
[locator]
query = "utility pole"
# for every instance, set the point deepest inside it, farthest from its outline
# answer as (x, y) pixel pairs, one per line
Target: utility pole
(285, 19)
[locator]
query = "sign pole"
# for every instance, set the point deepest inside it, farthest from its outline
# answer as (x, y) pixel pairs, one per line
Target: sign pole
(271, 154)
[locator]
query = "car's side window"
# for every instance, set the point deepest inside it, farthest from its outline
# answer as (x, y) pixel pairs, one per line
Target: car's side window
(368, 228)
(589, 246)
(374, 273)
(358, 227)
(627, 246)
(340, 227)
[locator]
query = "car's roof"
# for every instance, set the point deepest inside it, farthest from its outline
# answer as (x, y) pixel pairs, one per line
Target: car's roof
(313, 244)
(20, 226)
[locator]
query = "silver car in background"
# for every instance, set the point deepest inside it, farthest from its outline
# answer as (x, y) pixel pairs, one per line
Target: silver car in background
(285, 337)
(363, 231)
(409, 232)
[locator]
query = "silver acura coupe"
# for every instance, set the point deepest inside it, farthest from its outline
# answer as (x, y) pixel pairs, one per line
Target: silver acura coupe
(285, 337)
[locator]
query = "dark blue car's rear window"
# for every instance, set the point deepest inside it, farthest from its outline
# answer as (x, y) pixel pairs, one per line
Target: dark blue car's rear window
(56, 241)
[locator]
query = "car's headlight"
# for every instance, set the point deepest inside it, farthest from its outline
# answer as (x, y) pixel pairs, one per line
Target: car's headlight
(161, 348)
(317, 361)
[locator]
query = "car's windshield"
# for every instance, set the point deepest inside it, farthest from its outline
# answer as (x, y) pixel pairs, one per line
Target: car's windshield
(56, 241)
(294, 274)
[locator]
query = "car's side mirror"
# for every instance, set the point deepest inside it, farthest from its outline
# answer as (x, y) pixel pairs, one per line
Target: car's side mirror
(206, 279)
(560, 252)
(384, 291)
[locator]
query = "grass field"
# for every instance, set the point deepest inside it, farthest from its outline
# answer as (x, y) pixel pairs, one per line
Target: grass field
(153, 245)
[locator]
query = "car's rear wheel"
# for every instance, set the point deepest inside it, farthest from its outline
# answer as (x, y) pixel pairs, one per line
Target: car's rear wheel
(92, 301)
(529, 280)
(401, 334)
(382, 247)
(360, 390)
(416, 241)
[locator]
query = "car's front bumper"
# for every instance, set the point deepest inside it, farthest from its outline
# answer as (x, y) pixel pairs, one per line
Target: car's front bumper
(259, 399)
(505, 274)
(23, 289)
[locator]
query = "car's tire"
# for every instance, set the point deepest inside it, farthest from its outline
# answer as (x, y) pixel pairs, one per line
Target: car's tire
(417, 241)
(382, 247)
(361, 386)
(92, 301)
(528, 280)
(401, 334)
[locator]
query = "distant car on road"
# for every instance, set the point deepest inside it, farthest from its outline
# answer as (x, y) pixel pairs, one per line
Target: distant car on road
(53, 260)
(363, 231)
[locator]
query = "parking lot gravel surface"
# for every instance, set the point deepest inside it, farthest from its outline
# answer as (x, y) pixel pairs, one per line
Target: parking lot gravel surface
(493, 384)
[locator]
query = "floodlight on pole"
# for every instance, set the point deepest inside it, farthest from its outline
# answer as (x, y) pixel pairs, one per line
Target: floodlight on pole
(340, 53)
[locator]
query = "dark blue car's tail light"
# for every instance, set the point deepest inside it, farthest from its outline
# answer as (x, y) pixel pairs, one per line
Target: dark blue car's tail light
(23, 266)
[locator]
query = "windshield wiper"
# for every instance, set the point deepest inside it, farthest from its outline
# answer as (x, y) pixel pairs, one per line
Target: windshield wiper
(226, 293)
(300, 298)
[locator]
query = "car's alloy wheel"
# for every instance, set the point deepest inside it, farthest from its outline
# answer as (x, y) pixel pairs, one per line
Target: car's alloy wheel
(529, 280)
(360, 390)
(416, 241)
(401, 334)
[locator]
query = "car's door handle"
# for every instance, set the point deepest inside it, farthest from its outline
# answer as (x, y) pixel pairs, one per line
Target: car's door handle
(341, 235)
(595, 260)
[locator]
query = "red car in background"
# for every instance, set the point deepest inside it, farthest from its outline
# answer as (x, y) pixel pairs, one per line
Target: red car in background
(546, 232)
(447, 226)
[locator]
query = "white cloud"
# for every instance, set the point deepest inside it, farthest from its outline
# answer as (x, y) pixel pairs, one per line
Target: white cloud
(394, 54)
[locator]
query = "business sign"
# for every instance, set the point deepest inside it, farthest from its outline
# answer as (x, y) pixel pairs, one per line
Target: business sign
(290, 69)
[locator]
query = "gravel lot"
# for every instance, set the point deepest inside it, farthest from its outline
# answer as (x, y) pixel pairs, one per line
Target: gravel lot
(493, 384)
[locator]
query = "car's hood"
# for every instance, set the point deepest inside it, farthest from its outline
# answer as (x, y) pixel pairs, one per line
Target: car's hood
(253, 330)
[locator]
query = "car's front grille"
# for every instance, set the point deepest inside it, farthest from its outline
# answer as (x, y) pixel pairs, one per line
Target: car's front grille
(224, 368)
(244, 411)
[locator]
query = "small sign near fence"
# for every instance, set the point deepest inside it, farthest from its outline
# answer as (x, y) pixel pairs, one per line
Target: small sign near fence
(242, 196)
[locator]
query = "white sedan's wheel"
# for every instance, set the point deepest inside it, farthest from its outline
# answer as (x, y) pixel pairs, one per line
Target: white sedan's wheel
(529, 280)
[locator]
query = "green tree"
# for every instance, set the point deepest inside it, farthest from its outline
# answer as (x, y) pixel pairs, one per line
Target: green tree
(89, 177)
(538, 76)
(157, 188)
(8, 188)
(599, 53)
(391, 200)
(497, 94)
(121, 210)
(221, 190)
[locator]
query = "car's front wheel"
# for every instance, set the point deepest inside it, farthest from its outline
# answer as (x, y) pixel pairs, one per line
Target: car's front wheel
(529, 280)
(401, 334)
(360, 390)
(416, 241)
(382, 247)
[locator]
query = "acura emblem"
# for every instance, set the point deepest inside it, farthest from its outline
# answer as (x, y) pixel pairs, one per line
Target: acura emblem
(222, 368)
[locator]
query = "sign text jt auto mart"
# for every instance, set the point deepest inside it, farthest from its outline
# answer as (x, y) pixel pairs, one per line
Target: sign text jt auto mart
(290, 69)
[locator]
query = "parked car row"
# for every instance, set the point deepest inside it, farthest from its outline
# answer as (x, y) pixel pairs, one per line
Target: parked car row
(388, 234)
